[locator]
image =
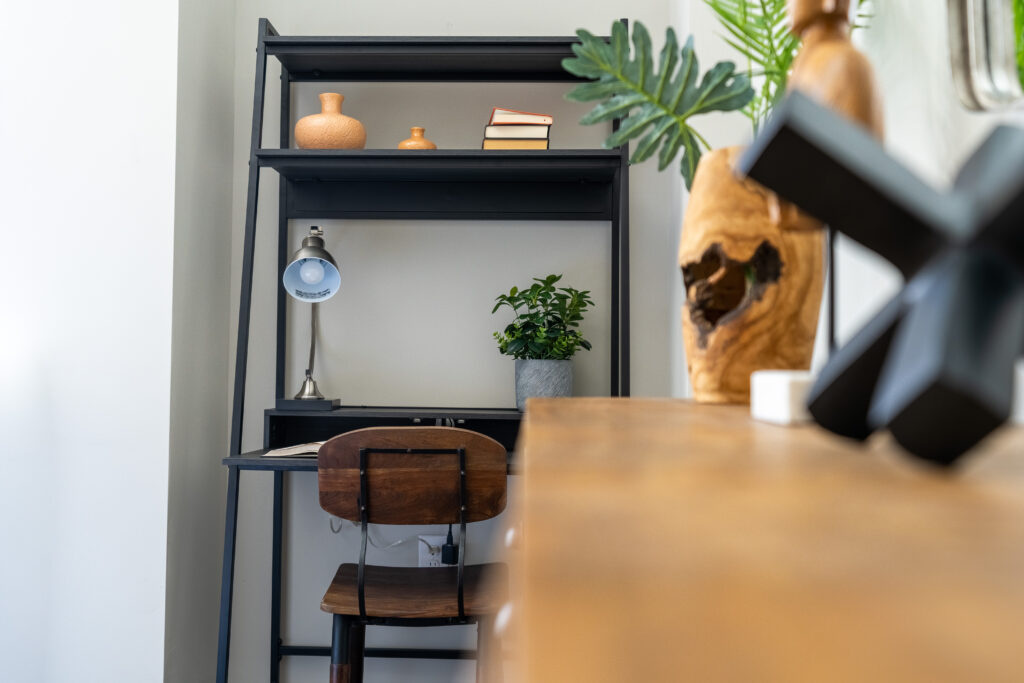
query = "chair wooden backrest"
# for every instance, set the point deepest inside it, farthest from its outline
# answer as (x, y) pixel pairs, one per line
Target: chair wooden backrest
(412, 474)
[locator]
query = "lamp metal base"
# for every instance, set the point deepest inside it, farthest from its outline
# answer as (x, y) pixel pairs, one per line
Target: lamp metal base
(308, 404)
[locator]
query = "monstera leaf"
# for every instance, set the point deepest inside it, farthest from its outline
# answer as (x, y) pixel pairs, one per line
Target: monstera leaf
(653, 105)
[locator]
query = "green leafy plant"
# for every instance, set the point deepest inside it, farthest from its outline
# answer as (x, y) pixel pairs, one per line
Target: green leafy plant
(759, 30)
(546, 318)
(654, 105)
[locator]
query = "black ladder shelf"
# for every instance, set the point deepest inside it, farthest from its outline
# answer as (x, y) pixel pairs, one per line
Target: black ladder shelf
(471, 184)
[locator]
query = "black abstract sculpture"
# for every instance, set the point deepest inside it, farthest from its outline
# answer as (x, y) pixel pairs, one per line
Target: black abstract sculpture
(935, 365)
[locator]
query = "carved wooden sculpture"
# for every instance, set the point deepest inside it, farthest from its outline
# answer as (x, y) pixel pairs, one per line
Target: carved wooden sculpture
(753, 282)
(753, 265)
(935, 366)
(829, 68)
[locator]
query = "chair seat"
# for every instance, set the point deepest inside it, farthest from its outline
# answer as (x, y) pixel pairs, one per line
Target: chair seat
(418, 592)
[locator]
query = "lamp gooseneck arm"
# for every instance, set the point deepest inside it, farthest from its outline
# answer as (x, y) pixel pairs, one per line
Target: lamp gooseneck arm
(314, 314)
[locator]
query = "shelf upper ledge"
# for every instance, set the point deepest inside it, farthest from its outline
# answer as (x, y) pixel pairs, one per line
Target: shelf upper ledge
(383, 152)
(413, 41)
(423, 58)
(463, 164)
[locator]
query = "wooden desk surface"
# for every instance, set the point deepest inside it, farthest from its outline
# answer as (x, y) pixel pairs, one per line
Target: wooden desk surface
(667, 541)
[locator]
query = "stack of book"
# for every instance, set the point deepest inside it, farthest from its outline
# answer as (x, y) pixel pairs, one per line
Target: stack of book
(510, 129)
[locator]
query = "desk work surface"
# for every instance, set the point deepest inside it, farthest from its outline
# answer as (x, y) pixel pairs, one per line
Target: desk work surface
(667, 541)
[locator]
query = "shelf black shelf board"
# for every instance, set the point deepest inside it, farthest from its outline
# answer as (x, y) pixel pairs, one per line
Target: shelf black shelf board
(467, 165)
(405, 412)
(255, 460)
(290, 427)
(443, 165)
(431, 59)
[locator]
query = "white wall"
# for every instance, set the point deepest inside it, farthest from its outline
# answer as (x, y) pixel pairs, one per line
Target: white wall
(199, 362)
(87, 128)
(412, 323)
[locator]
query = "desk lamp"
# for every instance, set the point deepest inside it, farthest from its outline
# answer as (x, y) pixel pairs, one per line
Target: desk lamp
(312, 275)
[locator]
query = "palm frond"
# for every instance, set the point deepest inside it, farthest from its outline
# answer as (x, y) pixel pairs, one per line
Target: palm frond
(759, 30)
(1018, 36)
(863, 15)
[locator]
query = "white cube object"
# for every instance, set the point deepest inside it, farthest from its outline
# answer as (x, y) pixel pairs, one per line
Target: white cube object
(780, 396)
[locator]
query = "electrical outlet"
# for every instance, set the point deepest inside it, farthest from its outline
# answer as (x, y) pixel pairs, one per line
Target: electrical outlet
(430, 550)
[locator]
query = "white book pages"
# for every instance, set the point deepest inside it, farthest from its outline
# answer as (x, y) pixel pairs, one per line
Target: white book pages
(301, 449)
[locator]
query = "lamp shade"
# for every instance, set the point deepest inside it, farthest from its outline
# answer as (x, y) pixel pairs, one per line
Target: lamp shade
(312, 275)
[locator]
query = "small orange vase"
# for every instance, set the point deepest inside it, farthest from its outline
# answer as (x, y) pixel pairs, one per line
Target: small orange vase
(417, 141)
(330, 129)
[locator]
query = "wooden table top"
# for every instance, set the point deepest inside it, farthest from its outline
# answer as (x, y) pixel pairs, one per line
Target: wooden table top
(668, 541)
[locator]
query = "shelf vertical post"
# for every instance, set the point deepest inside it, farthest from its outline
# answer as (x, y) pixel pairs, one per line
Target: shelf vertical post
(275, 578)
(622, 211)
(282, 236)
(249, 243)
(616, 315)
(241, 356)
(227, 575)
(621, 203)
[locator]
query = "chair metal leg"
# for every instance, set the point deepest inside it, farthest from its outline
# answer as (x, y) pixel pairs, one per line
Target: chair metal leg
(356, 648)
(340, 635)
(489, 664)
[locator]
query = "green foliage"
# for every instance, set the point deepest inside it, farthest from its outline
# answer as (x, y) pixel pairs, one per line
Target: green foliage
(1018, 37)
(759, 30)
(545, 320)
(654, 105)
(864, 14)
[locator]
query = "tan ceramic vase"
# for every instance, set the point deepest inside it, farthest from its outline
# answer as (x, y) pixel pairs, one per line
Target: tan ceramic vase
(753, 277)
(416, 141)
(330, 129)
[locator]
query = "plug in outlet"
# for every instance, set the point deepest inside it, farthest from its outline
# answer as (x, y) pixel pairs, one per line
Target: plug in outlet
(430, 550)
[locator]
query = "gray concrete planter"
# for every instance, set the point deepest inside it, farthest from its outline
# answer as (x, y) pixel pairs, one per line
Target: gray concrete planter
(542, 378)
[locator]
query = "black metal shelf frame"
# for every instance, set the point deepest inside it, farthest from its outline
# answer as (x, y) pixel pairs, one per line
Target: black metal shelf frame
(448, 184)
(436, 59)
(588, 185)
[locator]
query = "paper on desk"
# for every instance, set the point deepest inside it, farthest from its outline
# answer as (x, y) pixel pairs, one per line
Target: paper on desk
(301, 449)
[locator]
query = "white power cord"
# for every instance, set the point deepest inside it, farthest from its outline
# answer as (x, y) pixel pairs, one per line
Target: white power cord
(373, 542)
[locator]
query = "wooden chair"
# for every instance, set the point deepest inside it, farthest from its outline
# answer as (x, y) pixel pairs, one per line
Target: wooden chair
(412, 475)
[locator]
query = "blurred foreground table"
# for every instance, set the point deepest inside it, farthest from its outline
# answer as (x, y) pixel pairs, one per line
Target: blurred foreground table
(666, 541)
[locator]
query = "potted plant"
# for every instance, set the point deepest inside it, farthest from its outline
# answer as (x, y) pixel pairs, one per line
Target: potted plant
(752, 265)
(543, 336)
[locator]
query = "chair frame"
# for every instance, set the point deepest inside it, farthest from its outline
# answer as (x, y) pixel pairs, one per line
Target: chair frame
(364, 523)
(348, 631)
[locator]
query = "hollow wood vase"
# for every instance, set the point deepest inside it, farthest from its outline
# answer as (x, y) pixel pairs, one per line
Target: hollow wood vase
(752, 264)
(753, 282)
(330, 129)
